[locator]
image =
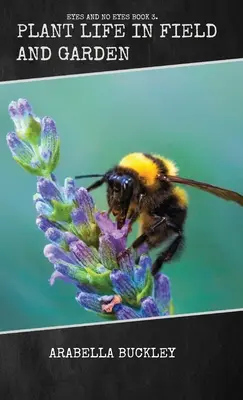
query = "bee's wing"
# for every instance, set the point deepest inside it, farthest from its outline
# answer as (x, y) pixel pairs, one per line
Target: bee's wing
(217, 191)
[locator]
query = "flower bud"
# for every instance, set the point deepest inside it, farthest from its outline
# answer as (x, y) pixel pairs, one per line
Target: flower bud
(50, 144)
(28, 127)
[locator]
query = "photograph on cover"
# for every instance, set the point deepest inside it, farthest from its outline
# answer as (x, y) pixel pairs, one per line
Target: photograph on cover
(146, 239)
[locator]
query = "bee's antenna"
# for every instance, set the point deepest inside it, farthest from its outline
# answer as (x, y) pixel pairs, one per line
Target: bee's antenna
(95, 184)
(89, 176)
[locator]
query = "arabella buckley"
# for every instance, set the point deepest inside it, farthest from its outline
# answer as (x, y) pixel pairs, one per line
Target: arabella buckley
(120, 352)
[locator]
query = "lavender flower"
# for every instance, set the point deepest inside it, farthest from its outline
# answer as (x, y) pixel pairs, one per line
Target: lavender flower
(85, 246)
(27, 126)
(35, 144)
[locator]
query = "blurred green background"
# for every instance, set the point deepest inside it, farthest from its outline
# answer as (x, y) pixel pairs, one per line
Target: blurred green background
(193, 115)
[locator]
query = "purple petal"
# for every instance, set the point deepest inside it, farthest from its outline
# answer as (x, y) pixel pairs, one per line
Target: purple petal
(78, 217)
(48, 189)
(58, 275)
(45, 154)
(107, 251)
(18, 116)
(120, 244)
(85, 202)
(43, 223)
(145, 261)
(108, 227)
(126, 262)
(56, 255)
(123, 232)
(90, 301)
(107, 299)
(19, 149)
(143, 249)
(123, 284)
(70, 237)
(21, 114)
(13, 111)
(162, 290)
(69, 190)
(149, 307)
(68, 270)
(55, 235)
(124, 312)
(49, 137)
(24, 108)
(19, 111)
(140, 272)
(85, 255)
(105, 224)
(43, 208)
(48, 127)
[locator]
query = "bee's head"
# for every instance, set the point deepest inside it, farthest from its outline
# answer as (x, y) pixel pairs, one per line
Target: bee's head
(120, 192)
(120, 189)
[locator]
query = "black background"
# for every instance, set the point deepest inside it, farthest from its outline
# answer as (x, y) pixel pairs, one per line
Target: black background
(225, 14)
(208, 363)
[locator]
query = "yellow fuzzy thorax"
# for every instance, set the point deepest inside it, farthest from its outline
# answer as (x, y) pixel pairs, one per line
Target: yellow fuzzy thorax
(181, 196)
(169, 164)
(146, 168)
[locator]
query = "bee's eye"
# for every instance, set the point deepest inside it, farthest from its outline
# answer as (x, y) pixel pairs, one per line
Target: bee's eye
(120, 183)
(114, 182)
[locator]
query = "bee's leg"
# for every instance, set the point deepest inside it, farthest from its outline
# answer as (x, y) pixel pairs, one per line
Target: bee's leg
(140, 245)
(169, 253)
(172, 249)
(135, 214)
(132, 217)
(143, 237)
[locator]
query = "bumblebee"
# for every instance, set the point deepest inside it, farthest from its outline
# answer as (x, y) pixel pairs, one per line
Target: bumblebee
(144, 187)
